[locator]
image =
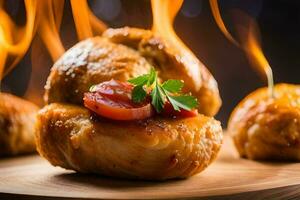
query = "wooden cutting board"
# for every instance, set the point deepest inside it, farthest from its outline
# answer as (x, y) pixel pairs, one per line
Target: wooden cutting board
(31, 177)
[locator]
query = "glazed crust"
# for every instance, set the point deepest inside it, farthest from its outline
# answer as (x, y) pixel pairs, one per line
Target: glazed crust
(267, 128)
(125, 53)
(156, 149)
(17, 118)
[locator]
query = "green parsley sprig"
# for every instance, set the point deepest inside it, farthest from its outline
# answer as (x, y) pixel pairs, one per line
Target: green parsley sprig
(169, 90)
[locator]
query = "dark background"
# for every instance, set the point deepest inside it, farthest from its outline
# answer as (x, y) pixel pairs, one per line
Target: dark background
(279, 23)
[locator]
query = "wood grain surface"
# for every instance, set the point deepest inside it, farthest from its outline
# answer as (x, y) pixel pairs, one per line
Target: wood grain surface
(31, 177)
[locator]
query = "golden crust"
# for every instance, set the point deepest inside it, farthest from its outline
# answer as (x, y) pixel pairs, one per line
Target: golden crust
(90, 62)
(160, 148)
(17, 118)
(122, 54)
(268, 128)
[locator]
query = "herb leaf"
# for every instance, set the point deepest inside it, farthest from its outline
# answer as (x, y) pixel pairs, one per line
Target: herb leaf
(172, 85)
(170, 90)
(138, 94)
(158, 97)
(185, 102)
(140, 80)
(152, 77)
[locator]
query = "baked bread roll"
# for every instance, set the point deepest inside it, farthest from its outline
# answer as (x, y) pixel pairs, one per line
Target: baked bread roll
(266, 128)
(158, 148)
(17, 118)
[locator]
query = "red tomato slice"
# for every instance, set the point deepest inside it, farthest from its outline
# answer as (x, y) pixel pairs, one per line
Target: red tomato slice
(115, 89)
(112, 99)
(170, 112)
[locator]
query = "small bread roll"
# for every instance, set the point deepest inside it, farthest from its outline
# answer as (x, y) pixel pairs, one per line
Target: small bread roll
(17, 118)
(266, 128)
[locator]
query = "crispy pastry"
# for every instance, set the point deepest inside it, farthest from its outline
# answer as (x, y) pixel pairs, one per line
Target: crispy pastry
(268, 128)
(158, 148)
(17, 118)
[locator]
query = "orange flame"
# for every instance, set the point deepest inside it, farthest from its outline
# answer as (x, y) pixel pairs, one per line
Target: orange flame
(49, 18)
(14, 40)
(85, 21)
(164, 12)
(248, 42)
(48, 21)
(44, 18)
